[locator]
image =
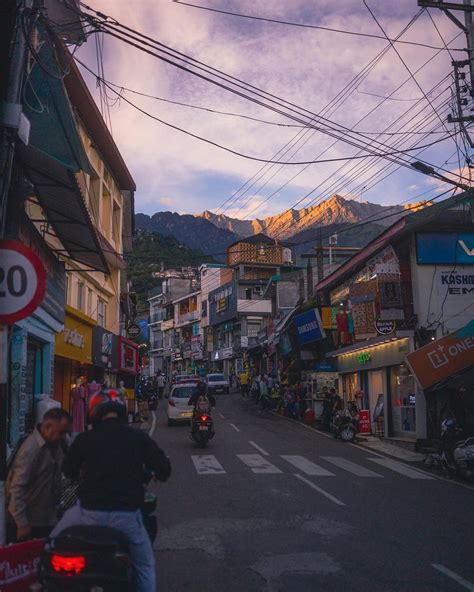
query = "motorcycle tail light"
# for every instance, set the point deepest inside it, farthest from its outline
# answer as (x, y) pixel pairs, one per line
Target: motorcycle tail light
(68, 564)
(204, 418)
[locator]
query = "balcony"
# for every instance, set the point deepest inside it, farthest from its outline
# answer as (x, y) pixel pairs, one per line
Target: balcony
(157, 344)
(254, 306)
(166, 325)
(188, 318)
(156, 317)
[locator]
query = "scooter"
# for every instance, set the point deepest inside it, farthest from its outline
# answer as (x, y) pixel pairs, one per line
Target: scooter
(202, 428)
(345, 424)
(92, 558)
(457, 456)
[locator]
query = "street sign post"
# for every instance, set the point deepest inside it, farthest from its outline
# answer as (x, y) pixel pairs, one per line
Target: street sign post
(22, 289)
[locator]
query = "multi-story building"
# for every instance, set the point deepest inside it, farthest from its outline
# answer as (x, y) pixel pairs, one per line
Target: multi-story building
(238, 309)
(392, 312)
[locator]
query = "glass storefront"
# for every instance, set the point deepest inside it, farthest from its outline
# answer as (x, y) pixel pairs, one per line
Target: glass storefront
(350, 384)
(402, 390)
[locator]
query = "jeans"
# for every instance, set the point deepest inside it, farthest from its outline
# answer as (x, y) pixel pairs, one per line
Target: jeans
(131, 524)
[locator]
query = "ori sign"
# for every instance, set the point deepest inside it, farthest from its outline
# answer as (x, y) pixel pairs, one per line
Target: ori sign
(309, 327)
(441, 248)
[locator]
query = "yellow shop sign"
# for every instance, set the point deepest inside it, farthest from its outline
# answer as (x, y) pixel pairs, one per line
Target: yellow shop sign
(75, 342)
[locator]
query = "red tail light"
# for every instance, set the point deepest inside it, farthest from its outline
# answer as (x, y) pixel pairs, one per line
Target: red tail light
(171, 402)
(68, 564)
(204, 418)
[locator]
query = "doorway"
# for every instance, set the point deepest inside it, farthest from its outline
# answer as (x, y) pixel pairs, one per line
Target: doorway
(376, 387)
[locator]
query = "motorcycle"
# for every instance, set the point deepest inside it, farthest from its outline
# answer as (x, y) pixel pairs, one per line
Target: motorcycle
(202, 428)
(86, 558)
(345, 424)
(457, 456)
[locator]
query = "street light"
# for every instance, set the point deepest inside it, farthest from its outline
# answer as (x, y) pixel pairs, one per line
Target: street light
(430, 171)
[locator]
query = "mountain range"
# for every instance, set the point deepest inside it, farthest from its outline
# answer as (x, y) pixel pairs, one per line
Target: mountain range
(212, 233)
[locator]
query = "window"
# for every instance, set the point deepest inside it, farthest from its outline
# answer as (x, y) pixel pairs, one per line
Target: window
(89, 301)
(101, 312)
(204, 308)
(80, 295)
(253, 329)
(116, 220)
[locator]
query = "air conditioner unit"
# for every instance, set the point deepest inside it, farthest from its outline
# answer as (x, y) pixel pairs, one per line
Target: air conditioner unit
(258, 290)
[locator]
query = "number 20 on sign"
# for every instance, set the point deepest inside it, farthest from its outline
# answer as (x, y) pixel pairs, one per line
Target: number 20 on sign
(22, 281)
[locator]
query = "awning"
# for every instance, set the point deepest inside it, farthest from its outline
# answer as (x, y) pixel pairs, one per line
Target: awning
(60, 196)
(283, 323)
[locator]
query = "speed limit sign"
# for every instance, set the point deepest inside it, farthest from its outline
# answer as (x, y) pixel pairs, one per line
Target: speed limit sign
(22, 281)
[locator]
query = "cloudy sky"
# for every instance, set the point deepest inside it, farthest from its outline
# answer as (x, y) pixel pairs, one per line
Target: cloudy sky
(308, 67)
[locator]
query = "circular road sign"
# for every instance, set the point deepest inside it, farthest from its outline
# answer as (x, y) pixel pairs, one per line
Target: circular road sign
(22, 281)
(133, 330)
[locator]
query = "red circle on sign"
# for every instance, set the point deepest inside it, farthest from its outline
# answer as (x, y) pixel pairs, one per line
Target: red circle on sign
(37, 298)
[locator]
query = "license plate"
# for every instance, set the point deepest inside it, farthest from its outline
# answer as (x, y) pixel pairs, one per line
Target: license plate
(186, 414)
(219, 390)
(203, 428)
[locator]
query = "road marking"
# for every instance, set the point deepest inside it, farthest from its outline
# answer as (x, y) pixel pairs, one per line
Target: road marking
(350, 467)
(235, 427)
(220, 415)
(153, 423)
(258, 448)
(321, 491)
(308, 467)
(398, 467)
(454, 576)
(207, 464)
(258, 464)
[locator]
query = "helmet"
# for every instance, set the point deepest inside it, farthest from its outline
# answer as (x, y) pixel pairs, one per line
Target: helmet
(448, 424)
(103, 409)
(105, 397)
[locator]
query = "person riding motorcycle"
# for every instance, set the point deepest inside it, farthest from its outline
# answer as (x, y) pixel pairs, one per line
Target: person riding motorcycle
(109, 461)
(202, 402)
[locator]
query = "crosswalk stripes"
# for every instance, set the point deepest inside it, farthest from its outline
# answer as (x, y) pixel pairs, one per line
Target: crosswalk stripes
(350, 466)
(306, 466)
(207, 464)
(401, 468)
(258, 464)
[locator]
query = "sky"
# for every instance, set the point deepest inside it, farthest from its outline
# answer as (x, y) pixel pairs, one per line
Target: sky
(308, 67)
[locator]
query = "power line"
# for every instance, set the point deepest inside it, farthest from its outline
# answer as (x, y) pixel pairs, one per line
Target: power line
(303, 25)
(190, 62)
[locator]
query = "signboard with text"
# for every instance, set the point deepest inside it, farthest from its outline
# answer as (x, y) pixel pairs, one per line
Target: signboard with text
(309, 327)
(441, 359)
(440, 248)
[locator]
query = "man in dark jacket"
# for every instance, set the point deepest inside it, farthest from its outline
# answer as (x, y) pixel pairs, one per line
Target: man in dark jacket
(111, 459)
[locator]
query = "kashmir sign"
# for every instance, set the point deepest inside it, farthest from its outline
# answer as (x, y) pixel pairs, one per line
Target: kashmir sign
(441, 359)
(309, 327)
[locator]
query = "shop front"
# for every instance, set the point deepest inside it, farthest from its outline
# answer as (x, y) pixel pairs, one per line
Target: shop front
(127, 365)
(73, 354)
(376, 375)
(104, 356)
(32, 342)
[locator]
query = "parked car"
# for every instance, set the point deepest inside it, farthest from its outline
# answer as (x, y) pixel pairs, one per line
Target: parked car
(185, 377)
(217, 384)
(178, 409)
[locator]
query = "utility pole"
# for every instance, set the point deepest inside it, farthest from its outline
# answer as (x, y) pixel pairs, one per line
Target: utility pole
(13, 125)
(459, 75)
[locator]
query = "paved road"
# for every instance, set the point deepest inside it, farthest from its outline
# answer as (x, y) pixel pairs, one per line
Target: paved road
(272, 507)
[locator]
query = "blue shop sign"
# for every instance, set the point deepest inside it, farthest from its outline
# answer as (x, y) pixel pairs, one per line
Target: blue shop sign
(324, 367)
(145, 330)
(439, 248)
(308, 327)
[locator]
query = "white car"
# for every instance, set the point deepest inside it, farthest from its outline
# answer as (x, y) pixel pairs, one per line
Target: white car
(217, 384)
(178, 409)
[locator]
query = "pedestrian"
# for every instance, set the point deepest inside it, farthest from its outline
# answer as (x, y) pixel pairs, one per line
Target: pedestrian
(160, 383)
(327, 409)
(111, 459)
(79, 396)
(34, 480)
(244, 384)
(336, 401)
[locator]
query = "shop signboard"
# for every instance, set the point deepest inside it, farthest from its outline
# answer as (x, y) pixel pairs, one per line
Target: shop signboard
(75, 342)
(324, 367)
(441, 359)
(104, 346)
(133, 331)
(19, 564)
(385, 327)
(128, 356)
(364, 422)
(54, 298)
(440, 248)
(144, 329)
(309, 327)
(457, 285)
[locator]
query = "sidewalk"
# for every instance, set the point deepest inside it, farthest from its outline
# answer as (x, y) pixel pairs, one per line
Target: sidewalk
(371, 443)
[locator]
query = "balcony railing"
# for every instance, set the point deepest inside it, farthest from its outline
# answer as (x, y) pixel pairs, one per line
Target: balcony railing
(156, 317)
(157, 344)
(188, 317)
(165, 325)
(254, 306)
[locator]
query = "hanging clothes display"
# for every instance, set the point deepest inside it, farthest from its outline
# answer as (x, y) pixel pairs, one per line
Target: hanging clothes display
(79, 402)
